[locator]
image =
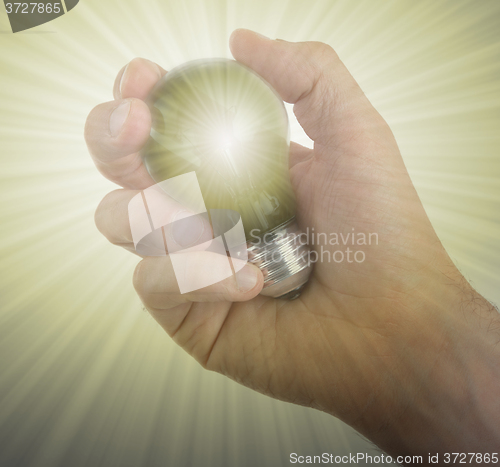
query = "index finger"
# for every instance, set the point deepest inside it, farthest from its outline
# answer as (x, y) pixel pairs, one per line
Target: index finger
(116, 131)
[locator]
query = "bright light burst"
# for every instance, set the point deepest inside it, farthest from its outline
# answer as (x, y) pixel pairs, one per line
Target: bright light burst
(87, 377)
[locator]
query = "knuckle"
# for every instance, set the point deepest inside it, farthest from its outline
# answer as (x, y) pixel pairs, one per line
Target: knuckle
(103, 213)
(100, 216)
(321, 52)
(87, 133)
(96, 121)
(149, 277)
(139, 64)
(136, 61)
(139, 276)
(321, 48)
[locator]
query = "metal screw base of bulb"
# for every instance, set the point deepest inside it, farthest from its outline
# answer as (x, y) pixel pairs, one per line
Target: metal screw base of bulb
(293, 294)
(283, 257)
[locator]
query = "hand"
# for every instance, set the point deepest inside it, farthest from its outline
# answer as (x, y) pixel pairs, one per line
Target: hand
(394, 345)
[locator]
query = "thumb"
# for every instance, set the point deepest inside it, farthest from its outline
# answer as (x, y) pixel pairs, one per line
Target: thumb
(328, 101)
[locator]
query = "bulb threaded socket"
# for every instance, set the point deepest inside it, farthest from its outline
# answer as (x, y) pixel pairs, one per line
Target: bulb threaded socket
(283, 257)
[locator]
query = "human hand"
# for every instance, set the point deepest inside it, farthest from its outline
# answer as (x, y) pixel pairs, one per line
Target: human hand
(390, 345)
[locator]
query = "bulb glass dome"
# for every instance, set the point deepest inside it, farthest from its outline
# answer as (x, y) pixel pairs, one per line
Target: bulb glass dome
(221, 120)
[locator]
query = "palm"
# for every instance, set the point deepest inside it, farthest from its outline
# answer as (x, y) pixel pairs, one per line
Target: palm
(262, 342)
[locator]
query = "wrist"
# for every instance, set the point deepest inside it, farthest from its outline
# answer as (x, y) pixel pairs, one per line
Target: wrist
(448, 376)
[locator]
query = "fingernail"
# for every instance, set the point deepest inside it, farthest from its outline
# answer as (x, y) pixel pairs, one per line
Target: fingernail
(187, 229)
(121, 80)
(246, 279)
(118, 118)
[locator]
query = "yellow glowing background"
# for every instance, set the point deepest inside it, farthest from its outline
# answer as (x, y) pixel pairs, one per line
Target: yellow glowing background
(87, 378)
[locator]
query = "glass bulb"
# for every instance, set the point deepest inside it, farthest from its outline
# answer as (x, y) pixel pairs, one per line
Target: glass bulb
(224, 122)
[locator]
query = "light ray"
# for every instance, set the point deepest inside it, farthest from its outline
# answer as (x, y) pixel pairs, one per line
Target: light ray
(87, 376)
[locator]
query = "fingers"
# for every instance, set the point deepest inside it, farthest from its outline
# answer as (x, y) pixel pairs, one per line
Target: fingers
(115, 217)
(121, 221)
(112, 220)
(137, 79)
(116, 131)
(157, 284)
(328, 101)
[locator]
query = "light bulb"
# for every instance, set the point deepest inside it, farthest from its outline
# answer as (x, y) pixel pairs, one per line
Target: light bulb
(224, 122)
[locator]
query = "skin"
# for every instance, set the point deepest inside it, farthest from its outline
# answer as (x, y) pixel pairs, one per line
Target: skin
(399, 346)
